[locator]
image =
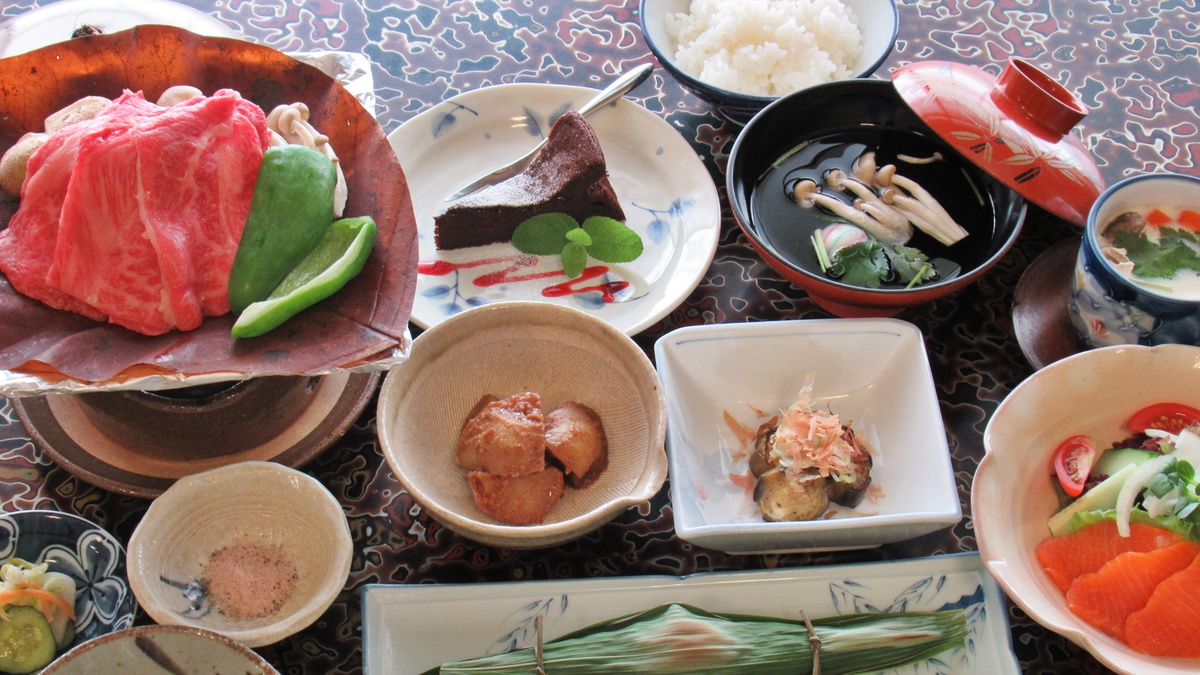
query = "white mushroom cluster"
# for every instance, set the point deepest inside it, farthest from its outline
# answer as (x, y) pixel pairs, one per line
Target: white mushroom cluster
(886, 205)
(289, 125)
(14, 163)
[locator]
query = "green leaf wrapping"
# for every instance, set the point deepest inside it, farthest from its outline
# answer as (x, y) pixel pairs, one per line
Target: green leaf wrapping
(679, 638)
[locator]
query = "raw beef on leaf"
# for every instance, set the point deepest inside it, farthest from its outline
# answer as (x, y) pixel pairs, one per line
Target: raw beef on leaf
(144, 227)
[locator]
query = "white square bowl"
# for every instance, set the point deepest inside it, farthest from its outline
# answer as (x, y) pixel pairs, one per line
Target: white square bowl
(873, 372)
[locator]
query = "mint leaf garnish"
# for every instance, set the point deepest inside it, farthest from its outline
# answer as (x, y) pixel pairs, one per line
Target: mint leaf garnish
(612, 240)
(543, 234)
(580, 236)
(605, 239)
(574, 259)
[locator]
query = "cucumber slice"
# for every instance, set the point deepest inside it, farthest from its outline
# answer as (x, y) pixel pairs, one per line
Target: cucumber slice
(1102, 497)
(1116, 459)
(26, 642)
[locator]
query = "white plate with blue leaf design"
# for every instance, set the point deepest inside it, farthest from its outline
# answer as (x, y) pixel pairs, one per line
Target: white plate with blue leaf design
(412, 628)
(666, 192)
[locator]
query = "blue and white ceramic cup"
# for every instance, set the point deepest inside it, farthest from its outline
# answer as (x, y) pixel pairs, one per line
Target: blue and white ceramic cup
(1108, 308)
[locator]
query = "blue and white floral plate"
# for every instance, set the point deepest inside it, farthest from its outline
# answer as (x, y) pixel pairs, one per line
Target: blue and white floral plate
(83, 551)
(667, 194)
(412, 628)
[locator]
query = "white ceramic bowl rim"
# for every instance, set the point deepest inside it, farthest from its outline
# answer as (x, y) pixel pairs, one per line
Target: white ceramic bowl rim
(999, 534)
(668, 60)
(256, 473)
(529, 313)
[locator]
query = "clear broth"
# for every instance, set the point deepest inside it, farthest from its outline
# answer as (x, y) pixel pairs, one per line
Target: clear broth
(787, 227)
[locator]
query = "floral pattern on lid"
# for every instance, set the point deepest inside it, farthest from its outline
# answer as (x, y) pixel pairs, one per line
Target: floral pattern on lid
(1017, 127)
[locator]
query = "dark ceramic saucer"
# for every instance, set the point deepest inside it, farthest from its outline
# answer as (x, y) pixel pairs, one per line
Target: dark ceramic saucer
(139, 443)
(1040, 316)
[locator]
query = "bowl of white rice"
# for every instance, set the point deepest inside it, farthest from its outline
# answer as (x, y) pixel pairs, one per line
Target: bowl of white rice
(740, 55)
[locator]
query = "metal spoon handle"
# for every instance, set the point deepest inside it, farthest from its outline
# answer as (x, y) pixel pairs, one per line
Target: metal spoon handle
(612, 92)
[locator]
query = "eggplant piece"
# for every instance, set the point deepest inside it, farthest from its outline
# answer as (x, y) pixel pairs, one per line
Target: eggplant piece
(781, 496)
(850, 494)
(760, 459)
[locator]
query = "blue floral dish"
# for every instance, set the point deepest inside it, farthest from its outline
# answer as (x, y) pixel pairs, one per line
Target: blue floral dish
(83, 551)
(1107, 308)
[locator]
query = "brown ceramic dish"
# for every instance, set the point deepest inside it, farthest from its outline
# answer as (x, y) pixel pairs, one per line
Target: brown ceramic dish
(139, 443)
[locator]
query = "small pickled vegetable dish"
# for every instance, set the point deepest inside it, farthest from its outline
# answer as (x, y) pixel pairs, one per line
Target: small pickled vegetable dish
(806, 459)
(1125, 549)
(1157, 249)
(37, 615)
(520, 459)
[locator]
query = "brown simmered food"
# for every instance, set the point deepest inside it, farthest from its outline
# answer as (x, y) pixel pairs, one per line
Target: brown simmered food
(506, 443)
(575, 439)
(517, 500)
(506, 437)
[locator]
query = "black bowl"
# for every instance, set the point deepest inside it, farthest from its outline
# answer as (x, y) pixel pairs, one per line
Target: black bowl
(828, 125)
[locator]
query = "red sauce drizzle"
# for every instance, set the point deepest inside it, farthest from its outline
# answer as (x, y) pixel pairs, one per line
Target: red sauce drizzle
(608, 291)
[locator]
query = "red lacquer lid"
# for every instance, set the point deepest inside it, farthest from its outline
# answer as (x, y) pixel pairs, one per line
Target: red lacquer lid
(1017, 127)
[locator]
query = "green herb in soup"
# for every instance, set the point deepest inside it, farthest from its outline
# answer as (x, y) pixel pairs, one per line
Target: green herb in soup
(1156, 248)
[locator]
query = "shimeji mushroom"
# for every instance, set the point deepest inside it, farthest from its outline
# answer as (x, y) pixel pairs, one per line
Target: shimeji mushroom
(806, 192)
(930, 216)
(290, 125)
(869, 202)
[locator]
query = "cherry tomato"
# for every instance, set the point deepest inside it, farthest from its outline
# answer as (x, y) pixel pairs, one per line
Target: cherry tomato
(1073, 462)
(1170, 417)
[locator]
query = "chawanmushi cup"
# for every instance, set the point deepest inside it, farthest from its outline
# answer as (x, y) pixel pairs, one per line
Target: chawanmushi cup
(1108, 308)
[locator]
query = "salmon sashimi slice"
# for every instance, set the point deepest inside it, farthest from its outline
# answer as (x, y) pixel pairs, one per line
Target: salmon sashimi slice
(1068, 556)
(1166, 625)
(1105, 598)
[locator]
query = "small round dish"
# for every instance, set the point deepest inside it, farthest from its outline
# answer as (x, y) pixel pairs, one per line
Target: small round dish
(1040, 318)
(255, 551)
(124, 442)
(878, 21)
(1016, 127)
(146, 649)
(560, 353)
(83, 551)
(666, 192)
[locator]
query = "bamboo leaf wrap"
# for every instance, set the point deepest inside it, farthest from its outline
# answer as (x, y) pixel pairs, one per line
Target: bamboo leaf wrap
(678, 638)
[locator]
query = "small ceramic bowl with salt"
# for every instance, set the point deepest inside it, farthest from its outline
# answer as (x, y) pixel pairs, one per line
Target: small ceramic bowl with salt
(255, 551)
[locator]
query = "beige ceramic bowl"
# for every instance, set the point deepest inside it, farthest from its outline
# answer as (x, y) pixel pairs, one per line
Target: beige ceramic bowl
(561, 353)
(278, 526)
(1013, 495)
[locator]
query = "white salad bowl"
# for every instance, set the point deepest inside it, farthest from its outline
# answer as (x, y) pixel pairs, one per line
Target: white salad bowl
(1013, 495)
(872, 372)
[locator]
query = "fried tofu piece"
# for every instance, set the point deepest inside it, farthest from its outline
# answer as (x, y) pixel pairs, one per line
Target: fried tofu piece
(575, 438)
(517, 500)
(506, 437)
